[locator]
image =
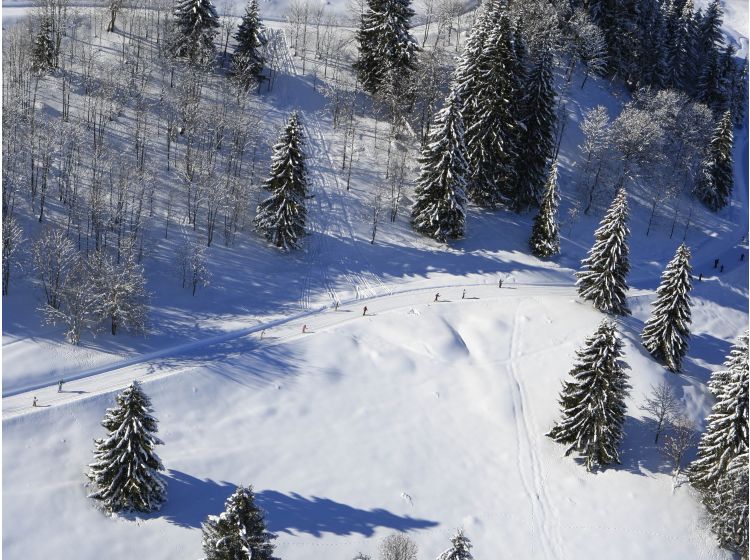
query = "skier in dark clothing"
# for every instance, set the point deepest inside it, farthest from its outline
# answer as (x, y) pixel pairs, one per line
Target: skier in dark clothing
(463, 295)
(364, 311)
(336, 306)
(700, 277)
(33, 403)
(59, 386)
(304, 328)
(500, 283)
(716, 263)
(437, 295)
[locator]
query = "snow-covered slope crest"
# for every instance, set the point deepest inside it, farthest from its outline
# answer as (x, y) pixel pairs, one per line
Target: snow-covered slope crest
(420, 417)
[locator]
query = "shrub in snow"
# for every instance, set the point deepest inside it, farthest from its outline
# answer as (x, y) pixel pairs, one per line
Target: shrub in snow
(125, 472)
(602, 276)
(593, 402)
(239, 532)
(666, 333)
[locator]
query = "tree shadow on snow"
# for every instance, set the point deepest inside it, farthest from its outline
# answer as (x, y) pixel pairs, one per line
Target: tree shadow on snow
(191, 500)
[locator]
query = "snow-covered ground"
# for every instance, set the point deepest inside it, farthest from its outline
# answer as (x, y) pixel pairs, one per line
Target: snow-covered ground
(420, 417)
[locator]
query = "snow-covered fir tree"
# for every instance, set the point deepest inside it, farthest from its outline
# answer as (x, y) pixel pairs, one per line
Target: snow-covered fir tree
(536, 138)
(666, 333)
(491, 137)
(387, 51)
(195, 23)
(603, 272)
(739, 94)
(43, 52)
(239, 532)
(460, 548)
(439, 209)
(715, 180)
(281, 217)
(593, 402)
(545, 234)
(247, 53)
(727, 506)
(125, 472)
(726, 435)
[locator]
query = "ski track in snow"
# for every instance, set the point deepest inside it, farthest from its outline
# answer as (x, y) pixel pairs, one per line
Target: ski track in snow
(527, 458)
(166, 362)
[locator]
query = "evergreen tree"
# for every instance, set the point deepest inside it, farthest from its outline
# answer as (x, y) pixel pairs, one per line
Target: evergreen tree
(125, 471)
(727, 506)
(43, 52)
(387, 51)
(281, 217)
(715, 181)
(726, 435)
(196, 22)
(490, 139)
(602, 276)
(667, 331)
(739, 94)
(593, 403)
(249, 41)
(460, 548)
(545, 235)
(536, 143)
(239, 533)
(439, 209)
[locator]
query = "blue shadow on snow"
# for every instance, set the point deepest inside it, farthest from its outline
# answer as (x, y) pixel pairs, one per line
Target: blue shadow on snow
(191, 500)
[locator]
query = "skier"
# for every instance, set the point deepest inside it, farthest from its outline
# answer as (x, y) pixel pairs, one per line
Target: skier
(463, 295)
(33, 403)
(716, 263)
(336, 306)
(59, 386)
(500, 283)
(364, 311)
(437, 295)
(304, 329)
(700, 277)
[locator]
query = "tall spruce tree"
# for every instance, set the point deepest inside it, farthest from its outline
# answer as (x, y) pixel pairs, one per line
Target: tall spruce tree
(603, 272)
(593, 402)
(491, 137)
(666, 333)
(536, 143)
(239, 532)
(460, 548)
(545, 234)
(281, 217)
(715, 181)
(43, 51)
(249, 41)
(727, 506)
(196, 22)
(726, 435)
(125, 472)
(439, 209)
(387, 51)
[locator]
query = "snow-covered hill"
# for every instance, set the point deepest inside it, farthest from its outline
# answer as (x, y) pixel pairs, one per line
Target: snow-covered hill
(421, 417)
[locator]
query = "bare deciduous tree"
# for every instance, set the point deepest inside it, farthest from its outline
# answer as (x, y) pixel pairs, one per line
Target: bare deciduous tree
(398, 547)
(663, 405)
(12, 239)
(53, 256)
(680, 438)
